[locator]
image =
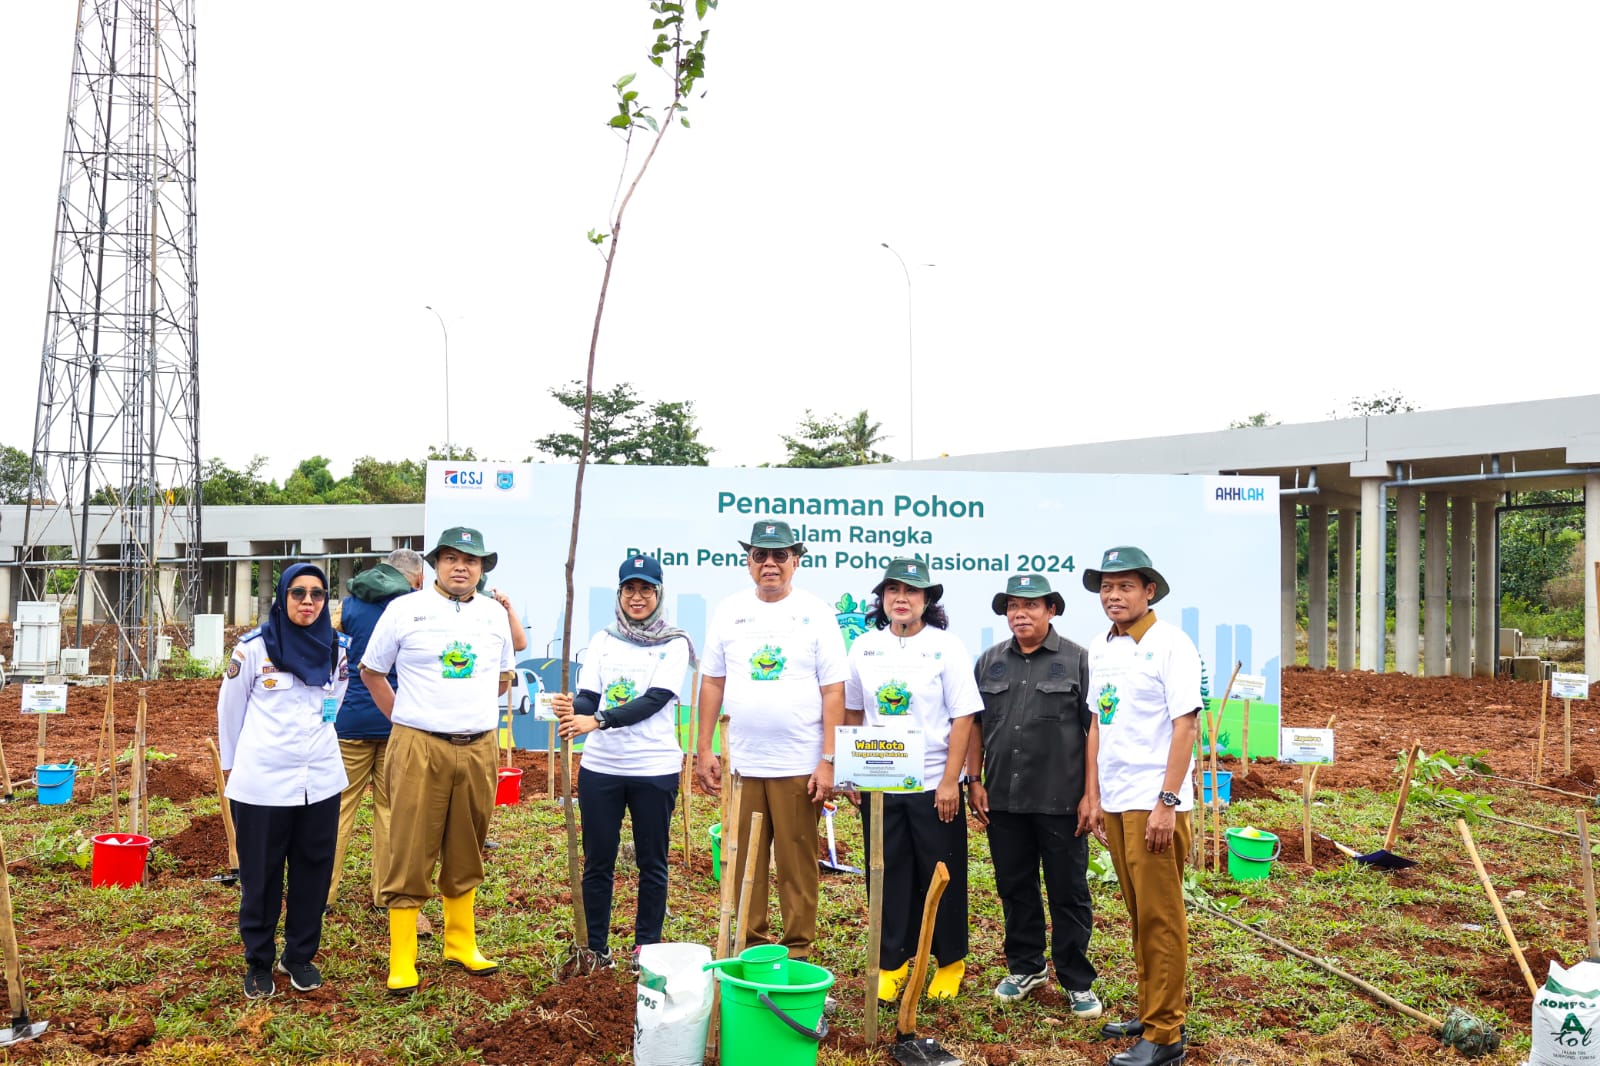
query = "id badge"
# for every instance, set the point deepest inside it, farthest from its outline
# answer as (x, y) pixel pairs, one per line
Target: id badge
(330, 708)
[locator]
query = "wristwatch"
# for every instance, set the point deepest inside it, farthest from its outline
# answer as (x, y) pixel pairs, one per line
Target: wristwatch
(828, 759)
(1170, 799)
(601, 720)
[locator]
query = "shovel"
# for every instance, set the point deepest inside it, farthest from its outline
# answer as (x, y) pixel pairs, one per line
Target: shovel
(907, 1047)
(1383, 858)
(831, 864)
(232, 876)
(21, 1027)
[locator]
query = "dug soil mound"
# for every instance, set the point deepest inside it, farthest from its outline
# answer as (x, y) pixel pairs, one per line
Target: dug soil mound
(579, 1021)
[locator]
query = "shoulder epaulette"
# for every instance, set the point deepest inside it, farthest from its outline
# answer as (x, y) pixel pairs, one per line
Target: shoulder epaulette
(251, 635)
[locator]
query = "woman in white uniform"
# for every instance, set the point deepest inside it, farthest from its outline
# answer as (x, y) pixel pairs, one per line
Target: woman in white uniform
(275, 714)
(627, 711)
(906, 667)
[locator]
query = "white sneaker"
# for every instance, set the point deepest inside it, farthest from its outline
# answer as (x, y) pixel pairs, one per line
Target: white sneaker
(1085, 1005)
(1017, 985)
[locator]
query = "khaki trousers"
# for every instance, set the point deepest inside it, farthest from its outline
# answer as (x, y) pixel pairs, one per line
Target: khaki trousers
(789, 838)
(363, 765)
(440, 797)
(1152, 887)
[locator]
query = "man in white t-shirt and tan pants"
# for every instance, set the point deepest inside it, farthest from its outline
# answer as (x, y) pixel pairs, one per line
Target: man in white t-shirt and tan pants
(451, 649)
(775, 663)
(1144, 684)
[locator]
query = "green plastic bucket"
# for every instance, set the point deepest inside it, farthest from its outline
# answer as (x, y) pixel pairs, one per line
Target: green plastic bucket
(716, 852)
(1250, 858)
(772, 1007)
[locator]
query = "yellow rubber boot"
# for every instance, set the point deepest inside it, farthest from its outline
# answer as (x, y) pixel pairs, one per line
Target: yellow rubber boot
(946, 981)
(403, 950)
(890, 982)
(461, 936)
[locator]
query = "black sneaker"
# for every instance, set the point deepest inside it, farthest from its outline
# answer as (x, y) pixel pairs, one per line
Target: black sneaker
(633, 960)
(303, 977)
(604, 961)
(258, 983)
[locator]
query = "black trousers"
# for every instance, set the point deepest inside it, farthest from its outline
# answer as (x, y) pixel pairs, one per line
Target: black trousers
(603, 798)
(301, 838)
(1021, 845)
(914, 841)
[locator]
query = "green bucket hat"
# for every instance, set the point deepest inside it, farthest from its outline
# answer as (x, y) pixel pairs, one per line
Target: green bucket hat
(913, 572)
(466, 540)
(770, 533)
(1028, 587)
(1122, 559)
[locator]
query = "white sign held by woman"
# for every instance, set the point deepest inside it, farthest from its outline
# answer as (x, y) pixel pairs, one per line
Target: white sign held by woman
(878, 758)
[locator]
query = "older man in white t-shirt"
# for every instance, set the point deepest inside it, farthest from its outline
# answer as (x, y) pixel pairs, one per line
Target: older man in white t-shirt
(451, 649)
(775, 663)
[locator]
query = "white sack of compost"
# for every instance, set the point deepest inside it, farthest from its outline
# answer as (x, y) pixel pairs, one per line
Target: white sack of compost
(1566, 1014)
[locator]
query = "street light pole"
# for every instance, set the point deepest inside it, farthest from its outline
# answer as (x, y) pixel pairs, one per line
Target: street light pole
(450, 452)
(911, 359)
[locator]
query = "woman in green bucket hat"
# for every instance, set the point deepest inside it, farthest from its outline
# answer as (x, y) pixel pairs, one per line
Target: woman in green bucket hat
(908, 667)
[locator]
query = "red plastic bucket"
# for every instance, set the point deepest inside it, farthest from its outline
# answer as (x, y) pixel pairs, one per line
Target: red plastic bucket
(119, 860)
(508, 789)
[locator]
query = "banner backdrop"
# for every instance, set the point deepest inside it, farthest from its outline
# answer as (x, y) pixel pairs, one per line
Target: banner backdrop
(1215, 540)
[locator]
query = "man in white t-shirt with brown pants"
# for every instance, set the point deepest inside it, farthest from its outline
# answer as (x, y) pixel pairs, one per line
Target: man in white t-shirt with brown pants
(775, 663)
(1144, 690)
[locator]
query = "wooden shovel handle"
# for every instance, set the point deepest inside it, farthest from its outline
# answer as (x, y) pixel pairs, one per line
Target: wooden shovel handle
(1499, 911)
(8, 942)
(227, 812)
(906, 1023)
(1400, 805)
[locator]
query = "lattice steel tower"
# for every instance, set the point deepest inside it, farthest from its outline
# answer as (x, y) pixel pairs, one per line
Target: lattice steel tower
(116, 434)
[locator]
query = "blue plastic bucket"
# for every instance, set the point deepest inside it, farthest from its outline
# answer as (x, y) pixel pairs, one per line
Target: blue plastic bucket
(55, 783)
(1224, 786)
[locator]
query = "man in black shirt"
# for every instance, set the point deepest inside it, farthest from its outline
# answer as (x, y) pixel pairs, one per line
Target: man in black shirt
(1038, 792)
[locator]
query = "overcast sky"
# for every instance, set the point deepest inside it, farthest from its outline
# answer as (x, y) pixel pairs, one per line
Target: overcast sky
(1146, 218)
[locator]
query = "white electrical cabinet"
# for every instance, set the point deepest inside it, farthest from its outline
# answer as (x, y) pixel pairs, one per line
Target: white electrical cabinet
(37, 631)
(207, 639)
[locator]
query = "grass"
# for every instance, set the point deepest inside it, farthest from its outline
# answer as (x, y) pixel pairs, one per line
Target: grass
(99, 959)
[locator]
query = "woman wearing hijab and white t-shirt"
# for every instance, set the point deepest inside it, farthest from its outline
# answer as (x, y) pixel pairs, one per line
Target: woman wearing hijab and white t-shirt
(275, 715)
(626, 710)
(906, 666)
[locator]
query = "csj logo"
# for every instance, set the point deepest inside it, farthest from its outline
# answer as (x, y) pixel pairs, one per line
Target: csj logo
(1235, 495)
(464, 479)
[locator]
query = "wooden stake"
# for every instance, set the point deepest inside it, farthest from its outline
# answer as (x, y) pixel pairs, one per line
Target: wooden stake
(727, 770)
(227, 811)
(140, 739)
(1499, 911)
(1587, 861)
(1544, 700)
(1244, 743)
(1566, 735)
(874, 918)
(686, 791)
(1197, 841)
(107, 739)
(550, 760)
(1315, 769)
(1216, 783)
(116, 793)
(747, 887)
(1306, 786)
(732, 792)
(44, 720)
(580, 921)
(511, 745)
(8, 946)
(1400, 804)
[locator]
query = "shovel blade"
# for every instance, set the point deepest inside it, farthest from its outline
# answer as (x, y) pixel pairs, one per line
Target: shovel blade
(20, 1031)
(926, 1051)
(1385, 860)
(836, 868)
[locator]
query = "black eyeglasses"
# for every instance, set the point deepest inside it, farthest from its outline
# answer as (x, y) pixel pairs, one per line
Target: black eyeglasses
(777, 555)
(317, 595)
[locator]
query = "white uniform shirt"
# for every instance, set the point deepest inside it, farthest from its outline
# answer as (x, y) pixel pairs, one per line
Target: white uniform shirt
(776, 657)
(621, 672)
(448, 656)
(927, 676)
(1136, 690)
(271, 733)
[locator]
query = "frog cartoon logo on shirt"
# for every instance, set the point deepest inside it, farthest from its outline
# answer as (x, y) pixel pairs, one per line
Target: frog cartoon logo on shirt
(894, 698)
(767, 664)
(1107, 703)
(458, 660)
(620, 692)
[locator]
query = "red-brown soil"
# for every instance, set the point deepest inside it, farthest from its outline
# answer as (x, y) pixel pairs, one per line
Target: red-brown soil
(588, 1019)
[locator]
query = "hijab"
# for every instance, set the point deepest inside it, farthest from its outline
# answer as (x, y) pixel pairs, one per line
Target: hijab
(307, 652)
(653, 630)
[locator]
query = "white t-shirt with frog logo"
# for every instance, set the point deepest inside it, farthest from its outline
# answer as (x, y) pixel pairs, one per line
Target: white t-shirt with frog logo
(927, 676)
(776, 657)
(1136, 690)
(448, 657)
(621, 672)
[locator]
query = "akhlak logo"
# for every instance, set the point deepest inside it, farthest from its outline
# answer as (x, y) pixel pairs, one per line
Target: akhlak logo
(772, 530)
(1107, 704)
(1111, 557)
(911, 570)
(1025, 582)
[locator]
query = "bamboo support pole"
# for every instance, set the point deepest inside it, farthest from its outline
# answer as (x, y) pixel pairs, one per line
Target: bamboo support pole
(1586, 860)
(1244, 742)
(1307, 782)
(1544, 701)
(874, 918)
(1499, 911)
(1566, 736)
(1400, 804)
(747, 885)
